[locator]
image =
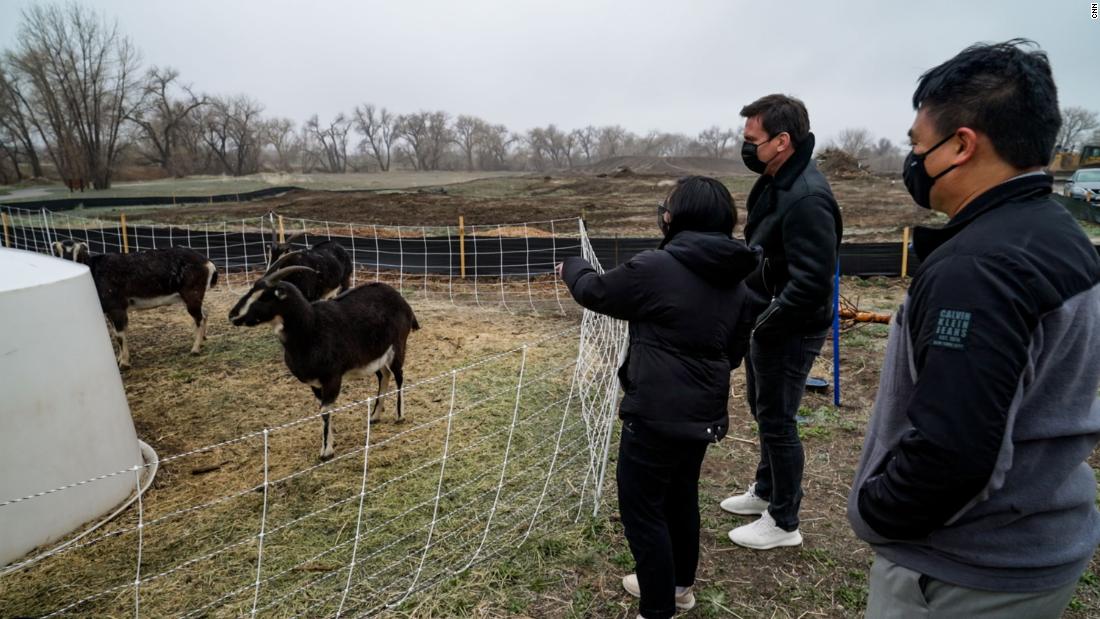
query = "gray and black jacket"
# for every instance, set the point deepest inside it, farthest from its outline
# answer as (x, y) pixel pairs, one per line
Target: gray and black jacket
(795, 220)
(974, 465)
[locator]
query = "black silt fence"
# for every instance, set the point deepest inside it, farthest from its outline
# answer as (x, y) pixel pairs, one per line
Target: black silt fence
(65, 204)
(433, 255)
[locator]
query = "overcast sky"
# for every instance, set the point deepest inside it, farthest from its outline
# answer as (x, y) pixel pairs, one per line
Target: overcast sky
(674, 65)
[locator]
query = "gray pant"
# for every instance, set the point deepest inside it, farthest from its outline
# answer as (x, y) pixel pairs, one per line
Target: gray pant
(901, 593)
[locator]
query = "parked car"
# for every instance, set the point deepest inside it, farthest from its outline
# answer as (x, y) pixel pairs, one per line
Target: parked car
(1084, 185)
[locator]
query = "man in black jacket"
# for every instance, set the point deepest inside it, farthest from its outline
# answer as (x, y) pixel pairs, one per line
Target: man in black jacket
(687, 330)
(795, 219)
(974, 487)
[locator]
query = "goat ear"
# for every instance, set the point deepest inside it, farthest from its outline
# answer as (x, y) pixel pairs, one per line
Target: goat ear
(80, 249)
(58, 249)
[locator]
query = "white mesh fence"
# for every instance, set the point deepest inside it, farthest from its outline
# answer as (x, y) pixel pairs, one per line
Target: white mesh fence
(494, 266)
(492, 453)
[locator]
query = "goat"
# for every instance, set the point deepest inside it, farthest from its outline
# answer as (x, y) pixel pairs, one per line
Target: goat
(329, 263)
(360, 332)
(145, 280)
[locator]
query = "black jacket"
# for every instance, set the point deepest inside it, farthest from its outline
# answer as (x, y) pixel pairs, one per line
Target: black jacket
(688, 329)
(796, 221)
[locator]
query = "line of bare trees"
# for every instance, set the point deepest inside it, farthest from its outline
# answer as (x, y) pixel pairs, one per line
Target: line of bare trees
(1080, 126)
(76, 104)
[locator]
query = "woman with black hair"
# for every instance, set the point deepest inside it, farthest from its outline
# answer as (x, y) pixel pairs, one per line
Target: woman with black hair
(684, 302)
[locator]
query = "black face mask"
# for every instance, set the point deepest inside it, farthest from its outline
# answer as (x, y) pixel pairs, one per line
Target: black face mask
(661, 223)
(916, 177)
(752, 162)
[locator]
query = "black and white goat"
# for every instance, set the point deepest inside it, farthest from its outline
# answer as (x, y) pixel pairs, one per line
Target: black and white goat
(144, 280)
(329, 265)
(361, 332)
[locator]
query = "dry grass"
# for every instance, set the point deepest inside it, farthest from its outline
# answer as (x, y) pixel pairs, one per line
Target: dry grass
(238, 385)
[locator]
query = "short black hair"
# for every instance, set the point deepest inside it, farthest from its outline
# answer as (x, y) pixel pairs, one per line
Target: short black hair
(781, 113)
(1003, 90)
(702, 204)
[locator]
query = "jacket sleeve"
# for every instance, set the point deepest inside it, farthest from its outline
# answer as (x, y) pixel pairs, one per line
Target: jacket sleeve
(738, 344)
(970, 324)
(810, 244)
(619, 293)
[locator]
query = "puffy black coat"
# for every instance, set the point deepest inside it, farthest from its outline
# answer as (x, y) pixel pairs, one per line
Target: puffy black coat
(689, 327)
(796, 221)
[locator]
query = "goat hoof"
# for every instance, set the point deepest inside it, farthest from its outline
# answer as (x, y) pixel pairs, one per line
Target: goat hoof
(195, 351)
(327, 455)
(399, 420)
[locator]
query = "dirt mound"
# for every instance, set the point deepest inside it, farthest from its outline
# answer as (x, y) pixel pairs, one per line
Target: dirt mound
(619, 167)
(836, 163)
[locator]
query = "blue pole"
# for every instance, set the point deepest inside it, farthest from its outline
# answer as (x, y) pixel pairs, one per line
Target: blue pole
(836, 336)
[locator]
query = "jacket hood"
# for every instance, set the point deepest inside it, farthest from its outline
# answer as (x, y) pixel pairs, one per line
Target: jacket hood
(715, 257)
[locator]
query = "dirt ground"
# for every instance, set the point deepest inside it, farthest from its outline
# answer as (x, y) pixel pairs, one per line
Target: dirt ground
(873, 208)
(238, 385)
(179, 402)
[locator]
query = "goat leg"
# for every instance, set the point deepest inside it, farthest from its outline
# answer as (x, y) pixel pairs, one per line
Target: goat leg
(383, 386)
(329, 391)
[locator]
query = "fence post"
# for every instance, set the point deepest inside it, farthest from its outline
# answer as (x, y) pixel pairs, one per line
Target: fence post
(4, 219)
(462, 246)
(125, 241)
(282, 233)
(905, 252)
(836, 335)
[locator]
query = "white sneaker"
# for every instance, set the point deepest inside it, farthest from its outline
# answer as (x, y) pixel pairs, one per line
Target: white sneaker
(685, 599)
(764, 534)
(747, 504)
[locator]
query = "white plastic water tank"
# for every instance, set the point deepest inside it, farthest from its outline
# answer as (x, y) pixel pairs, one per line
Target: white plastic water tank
(63, 411)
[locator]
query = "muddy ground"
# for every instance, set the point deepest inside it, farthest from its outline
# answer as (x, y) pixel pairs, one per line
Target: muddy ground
(873, 208)
(239, 385)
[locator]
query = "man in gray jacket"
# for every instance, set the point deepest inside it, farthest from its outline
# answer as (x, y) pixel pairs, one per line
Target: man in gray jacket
(973, 487)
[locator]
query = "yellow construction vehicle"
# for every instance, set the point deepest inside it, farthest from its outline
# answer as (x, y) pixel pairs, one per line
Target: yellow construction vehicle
(1067, 161)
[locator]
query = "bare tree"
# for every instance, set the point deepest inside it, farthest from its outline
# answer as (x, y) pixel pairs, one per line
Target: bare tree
(611, 140)
(17, 119)
(884, 156)
(493, 149)
(9, 158)
(379, 131)
(717, 142)
(83, 76)
(279, 133)
(161, 117)
(1076, 122)
(856, 142)
(333, 142)
(426, 136)
(469, 131)
(587, 141)
(231, 129)
(561, 146)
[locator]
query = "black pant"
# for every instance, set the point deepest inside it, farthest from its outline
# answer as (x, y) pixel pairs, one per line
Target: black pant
(658, 481)
(776, 371)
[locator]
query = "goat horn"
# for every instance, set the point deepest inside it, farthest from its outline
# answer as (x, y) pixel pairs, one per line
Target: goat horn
(275, 276)
(293, 237)
(281, 259)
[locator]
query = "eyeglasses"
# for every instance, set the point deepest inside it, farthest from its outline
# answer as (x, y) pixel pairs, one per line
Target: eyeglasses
(661, 210)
